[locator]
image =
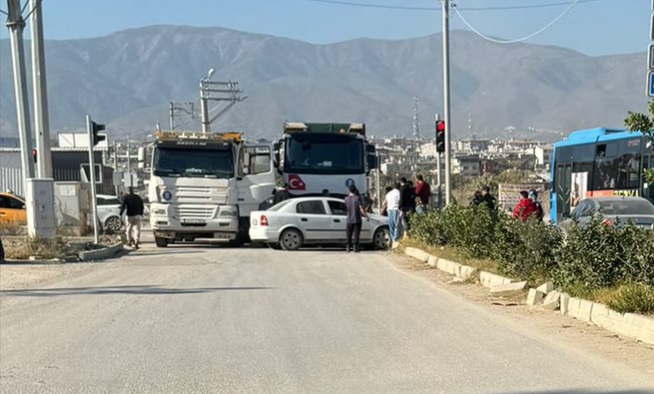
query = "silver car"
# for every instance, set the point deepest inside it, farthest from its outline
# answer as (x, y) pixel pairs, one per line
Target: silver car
(614, 211)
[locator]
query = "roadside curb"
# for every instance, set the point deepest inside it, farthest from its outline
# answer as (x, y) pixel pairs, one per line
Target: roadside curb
(630, 325)
(101, 254)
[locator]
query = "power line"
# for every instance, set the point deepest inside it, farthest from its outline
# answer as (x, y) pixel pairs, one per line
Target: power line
(525, 38)
(418, 8)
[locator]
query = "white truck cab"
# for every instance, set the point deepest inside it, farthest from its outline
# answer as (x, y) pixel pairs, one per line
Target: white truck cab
(204, 185)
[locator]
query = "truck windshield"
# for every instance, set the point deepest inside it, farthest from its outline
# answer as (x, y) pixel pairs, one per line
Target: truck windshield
(308, 153)
(208, 163)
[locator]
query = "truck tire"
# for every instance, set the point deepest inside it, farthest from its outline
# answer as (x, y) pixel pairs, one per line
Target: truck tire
(161, 242)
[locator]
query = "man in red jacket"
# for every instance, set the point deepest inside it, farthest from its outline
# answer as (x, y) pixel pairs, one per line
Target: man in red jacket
(423, 191)
(525, 207)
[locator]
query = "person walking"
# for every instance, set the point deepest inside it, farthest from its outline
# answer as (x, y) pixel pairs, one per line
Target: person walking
(282, 194)
(392, 201)
(133, 206)
(355, 213)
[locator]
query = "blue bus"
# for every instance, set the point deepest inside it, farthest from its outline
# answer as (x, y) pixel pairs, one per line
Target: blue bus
(598, 162)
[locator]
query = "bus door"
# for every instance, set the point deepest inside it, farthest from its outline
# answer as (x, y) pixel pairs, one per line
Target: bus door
(562, 188)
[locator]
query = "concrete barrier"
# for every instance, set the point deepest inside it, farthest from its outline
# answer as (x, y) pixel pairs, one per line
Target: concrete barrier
(417, 254)
(101, 254)
(489, 280)
(629, 324)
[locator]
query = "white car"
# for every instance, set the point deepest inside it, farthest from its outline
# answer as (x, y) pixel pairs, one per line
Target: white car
(313, 220)
(109, 213)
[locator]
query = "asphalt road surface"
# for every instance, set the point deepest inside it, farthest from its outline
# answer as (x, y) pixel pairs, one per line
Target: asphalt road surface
(216, 320)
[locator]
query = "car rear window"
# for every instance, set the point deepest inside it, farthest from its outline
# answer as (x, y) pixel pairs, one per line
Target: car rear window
(626, 207)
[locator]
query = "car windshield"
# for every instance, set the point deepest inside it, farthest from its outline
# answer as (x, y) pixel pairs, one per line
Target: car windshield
(626, 207)
(308, 153)
(208, 163)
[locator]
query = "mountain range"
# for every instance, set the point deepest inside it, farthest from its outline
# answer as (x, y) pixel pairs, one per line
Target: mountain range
(127, 79)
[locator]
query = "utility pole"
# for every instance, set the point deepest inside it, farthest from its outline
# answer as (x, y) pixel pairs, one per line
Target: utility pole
(129, 163)
(94, 202)
(39, 84)
(446, 100)
(16, 24)
(225, 91)
(176, 107)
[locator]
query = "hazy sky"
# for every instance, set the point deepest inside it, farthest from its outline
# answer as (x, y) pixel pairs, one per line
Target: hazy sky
(594, 27)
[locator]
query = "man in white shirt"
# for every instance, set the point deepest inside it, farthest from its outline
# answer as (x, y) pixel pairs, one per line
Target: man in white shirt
(393, 209)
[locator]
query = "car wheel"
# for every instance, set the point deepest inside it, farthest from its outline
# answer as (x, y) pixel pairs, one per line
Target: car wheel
(291, 239)
(113, 225)
(161, 242)
(273, 246)
(382, 238)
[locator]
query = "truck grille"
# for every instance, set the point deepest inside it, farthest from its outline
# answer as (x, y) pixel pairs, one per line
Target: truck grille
(201, 194)
(189, 212)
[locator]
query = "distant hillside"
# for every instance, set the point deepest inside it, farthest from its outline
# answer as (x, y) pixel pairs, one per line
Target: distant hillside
(127, 79)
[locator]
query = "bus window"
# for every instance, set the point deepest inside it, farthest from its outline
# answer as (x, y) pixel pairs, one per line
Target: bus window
(605, 173)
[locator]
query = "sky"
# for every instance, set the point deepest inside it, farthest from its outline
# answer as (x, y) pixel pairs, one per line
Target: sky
(593, 27)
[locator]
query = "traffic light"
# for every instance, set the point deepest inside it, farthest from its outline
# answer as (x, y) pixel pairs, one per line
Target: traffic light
(34, 155)
(96, 127)
(440, 136)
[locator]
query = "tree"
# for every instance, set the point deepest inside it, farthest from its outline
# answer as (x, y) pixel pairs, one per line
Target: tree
(645, 124)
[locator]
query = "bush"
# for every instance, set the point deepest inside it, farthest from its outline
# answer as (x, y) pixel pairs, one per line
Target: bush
(593, 257)
(526, 250)
(599, 256)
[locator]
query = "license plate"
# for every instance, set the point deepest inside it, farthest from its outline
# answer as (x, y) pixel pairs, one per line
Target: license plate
(222, 235)
(194, 221)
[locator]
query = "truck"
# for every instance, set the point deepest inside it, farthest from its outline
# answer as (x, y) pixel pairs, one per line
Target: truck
(204, 185)
(313, 157)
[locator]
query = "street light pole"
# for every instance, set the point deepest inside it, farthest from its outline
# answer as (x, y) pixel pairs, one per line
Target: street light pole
(446, 100)
(41, 115)
(16, 24)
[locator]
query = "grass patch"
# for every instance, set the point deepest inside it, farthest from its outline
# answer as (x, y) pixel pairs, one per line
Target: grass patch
(452, 254)
(39, 248)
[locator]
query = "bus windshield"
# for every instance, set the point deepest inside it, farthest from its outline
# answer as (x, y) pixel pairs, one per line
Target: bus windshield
(308, 153)
(188, 162)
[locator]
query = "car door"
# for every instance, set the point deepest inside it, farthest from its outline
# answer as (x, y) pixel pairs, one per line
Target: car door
(313, 219)
(338, 220)
(12, 210)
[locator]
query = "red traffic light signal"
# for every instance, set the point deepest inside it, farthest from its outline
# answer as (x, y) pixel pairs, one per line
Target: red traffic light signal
(440, 136)
(34, 155)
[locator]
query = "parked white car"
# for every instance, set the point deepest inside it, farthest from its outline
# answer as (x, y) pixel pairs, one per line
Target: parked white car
(109, 213)
(313, 220)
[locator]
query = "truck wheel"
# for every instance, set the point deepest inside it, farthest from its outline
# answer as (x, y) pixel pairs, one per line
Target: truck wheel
(291, 239)
(161, 242)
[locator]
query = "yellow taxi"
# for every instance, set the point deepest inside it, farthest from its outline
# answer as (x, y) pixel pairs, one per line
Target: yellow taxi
(12, 210)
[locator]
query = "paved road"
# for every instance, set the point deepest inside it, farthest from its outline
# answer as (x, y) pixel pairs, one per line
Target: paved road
(198, 319)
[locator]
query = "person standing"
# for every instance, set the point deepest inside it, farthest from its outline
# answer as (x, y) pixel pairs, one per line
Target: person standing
(423, 192)
(354, 214)
(538, 208)
(487, 198)
(2, 252)
(282, 194)
(133, 206)
(525, 207)
(393, 211)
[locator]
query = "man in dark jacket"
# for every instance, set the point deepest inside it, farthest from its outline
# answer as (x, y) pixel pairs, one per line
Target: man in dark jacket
(133, 206)
(282, 194)
(354, 214)
(487, 198)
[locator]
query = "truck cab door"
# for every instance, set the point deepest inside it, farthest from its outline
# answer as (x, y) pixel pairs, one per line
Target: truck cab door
(258, 180)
